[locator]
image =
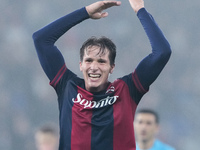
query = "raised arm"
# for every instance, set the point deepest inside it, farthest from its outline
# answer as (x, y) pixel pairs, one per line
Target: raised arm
(50, 57)
(150, 67)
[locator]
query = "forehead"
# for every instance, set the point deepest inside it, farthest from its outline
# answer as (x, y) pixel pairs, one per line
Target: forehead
(96, 51)
(145, 117)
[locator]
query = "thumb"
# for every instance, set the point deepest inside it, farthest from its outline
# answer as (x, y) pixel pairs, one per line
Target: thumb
(99, 15)
(104, 14)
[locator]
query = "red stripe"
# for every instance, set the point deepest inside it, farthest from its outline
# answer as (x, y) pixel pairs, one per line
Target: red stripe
(123, 113)
(58, 76)
(137, 83)
(81, 123)
(61, 74)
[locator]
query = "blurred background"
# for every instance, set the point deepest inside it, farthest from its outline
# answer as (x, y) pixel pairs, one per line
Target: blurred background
(27, 101)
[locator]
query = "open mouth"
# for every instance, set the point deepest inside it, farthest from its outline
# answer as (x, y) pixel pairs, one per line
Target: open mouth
(94, 75)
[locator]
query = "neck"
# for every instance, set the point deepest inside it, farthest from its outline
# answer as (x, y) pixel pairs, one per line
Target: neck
(99, 88)
(144, 145)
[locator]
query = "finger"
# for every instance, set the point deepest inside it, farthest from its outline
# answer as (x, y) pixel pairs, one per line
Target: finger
(104, 14)
(118, 3)
(108, 4)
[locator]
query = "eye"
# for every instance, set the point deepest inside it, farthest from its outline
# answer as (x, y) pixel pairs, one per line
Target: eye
(139, 121)
(101, 61)
(149, 123)
(88, 60)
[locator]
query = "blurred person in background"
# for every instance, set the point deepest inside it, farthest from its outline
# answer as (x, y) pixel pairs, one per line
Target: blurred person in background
(95, 113)
(46, 138)
(146, 126)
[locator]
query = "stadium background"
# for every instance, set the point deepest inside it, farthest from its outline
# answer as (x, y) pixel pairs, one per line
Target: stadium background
(27, 101)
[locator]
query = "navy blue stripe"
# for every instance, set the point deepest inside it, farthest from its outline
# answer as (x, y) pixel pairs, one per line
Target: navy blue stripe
(102, 128)
(135, 94)
(66, 109)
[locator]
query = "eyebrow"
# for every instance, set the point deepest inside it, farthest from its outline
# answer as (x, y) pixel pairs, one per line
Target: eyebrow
(88, 58)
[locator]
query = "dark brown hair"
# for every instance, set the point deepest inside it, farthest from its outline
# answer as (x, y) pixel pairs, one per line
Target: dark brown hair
(103, 43)
(149, 111)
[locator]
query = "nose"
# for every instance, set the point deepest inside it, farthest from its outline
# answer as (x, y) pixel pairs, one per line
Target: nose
(94, 66)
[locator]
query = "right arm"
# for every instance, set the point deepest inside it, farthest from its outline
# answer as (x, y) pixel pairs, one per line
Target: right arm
(50, 57)
(151, 66)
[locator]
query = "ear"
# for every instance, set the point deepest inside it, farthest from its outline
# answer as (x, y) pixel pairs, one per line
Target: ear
(80, 65)
(112, 68)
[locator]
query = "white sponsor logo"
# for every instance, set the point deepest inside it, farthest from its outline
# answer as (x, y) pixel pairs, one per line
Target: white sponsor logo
(95, 104)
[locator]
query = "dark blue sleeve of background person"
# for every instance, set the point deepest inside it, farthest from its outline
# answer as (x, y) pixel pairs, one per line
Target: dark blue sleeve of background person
(151, 66)
(50, 57)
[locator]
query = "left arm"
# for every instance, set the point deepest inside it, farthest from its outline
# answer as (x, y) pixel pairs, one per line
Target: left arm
(150, 67)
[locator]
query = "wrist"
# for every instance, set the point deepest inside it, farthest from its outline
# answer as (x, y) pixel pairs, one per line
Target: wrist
(87, 10)
(138, 8)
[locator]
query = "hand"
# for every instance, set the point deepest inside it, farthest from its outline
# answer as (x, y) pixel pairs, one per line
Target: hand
(137, 4)
(95, 10)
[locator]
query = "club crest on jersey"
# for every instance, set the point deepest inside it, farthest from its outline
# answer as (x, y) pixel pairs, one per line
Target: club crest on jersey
(111, 89)
(109, 100)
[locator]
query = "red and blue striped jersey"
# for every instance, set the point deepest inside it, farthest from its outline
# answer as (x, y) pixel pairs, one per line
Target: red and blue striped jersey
(96, 121)
(103, 120)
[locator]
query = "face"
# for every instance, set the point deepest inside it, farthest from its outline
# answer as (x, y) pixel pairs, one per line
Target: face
(145, 127)
(96, 69)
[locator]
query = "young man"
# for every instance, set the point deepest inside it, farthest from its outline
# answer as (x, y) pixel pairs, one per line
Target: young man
(94, 113)
(146, 126)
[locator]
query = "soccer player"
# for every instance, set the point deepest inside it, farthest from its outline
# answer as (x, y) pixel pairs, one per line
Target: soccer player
(46, 138)
(95, 113)
(146, 126)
